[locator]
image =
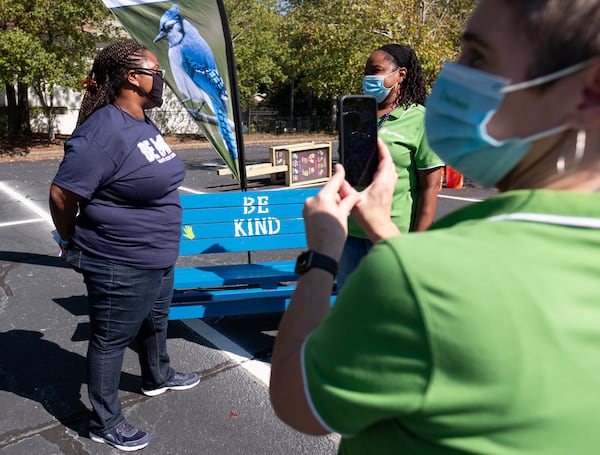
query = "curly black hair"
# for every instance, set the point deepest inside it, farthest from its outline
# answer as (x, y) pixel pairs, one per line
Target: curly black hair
(413, 89)
(108, 75)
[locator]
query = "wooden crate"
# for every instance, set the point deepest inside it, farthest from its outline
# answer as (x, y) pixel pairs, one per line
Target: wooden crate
(307, 163)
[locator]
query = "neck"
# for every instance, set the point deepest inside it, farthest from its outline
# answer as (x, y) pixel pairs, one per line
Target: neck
(133, 109)
(538, 170)
(583, 181)
(384, 108)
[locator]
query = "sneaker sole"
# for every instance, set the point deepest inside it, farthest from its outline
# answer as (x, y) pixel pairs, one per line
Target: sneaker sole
(101, 440)
(160, 391)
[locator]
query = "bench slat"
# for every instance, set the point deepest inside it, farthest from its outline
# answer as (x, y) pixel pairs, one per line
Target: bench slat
(229, 245)
(207, 229)
(226, 214)
(228, 303)
(235, 198)
(266, 275)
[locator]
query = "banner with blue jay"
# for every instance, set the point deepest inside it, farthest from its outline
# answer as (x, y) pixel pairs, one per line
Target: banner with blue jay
(191, 40)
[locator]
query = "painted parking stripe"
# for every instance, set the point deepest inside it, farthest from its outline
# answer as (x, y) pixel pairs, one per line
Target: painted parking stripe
(17, 223)
(260, 370)
(26, 202)
(189, 190)
(458, 198)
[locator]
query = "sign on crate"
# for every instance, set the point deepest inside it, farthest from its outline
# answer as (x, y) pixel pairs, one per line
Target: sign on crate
(307, 162)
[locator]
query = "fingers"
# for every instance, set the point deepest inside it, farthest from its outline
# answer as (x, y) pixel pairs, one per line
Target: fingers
(347, 190)
(335, 182)
(373, 212)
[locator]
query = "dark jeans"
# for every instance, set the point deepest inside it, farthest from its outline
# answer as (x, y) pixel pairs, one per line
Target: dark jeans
(125, 304)
(354, 250)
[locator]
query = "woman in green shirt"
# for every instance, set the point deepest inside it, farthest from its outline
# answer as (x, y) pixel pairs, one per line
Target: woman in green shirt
(479, 336)
(393, 75)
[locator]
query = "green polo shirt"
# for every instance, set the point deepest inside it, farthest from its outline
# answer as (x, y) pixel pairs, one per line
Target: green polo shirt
(480, 336)
(404, 134)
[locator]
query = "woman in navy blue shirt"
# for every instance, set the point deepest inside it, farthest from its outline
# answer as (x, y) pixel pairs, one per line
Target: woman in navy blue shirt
(115, 205)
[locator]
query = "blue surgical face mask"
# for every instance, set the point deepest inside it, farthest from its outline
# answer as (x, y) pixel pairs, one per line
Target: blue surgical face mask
(375, 86)
(461, 104)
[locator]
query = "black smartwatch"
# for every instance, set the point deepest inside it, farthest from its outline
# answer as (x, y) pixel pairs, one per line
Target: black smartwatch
(311, 259)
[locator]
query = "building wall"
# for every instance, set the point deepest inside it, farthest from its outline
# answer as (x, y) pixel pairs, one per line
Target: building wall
(171, 118)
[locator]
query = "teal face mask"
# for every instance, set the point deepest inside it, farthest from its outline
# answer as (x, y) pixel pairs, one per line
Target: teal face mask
(374, 86)
(461, 104)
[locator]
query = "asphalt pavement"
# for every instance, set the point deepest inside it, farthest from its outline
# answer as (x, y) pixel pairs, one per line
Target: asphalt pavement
(44, 332)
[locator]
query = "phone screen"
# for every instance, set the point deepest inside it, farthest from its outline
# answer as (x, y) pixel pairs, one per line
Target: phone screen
(358, 138)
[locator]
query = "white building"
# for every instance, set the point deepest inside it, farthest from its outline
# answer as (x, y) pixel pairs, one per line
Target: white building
(171, 118)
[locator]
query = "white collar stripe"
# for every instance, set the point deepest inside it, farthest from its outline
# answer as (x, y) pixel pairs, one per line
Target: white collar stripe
(576, 221)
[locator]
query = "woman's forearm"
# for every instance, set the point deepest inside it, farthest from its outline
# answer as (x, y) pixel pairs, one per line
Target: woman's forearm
(309, 306)
(429, 187)
(63, 208)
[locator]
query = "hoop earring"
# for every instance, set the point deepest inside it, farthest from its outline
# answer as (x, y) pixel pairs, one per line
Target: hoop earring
(580, 144)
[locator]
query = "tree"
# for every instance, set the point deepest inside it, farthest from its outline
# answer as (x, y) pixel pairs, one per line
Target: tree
(44, 44)
(313, 48)
(260, 48)
(332, 40)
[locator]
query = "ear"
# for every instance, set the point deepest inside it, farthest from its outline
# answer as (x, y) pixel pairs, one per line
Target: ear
(132, 78)
(588, 110)
(402, 73)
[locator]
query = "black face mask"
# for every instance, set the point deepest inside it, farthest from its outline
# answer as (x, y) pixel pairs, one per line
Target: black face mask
(156, 94)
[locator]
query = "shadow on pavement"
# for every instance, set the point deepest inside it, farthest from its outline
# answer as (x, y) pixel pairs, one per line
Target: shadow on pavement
(42, 371)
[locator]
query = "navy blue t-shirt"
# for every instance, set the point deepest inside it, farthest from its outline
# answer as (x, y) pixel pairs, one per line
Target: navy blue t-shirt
(128, 177)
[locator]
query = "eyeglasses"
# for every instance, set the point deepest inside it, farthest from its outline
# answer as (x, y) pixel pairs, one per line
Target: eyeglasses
(150, 71)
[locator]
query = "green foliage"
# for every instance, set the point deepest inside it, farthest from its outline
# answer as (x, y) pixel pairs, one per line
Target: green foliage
(260, 50)
(317, 46)
(45, 43)
(49, 41)
(333, 40)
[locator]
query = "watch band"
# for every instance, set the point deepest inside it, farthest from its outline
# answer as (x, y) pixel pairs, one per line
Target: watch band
(311, 259)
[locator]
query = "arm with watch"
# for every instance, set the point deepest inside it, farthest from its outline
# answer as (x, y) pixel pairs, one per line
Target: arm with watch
(325, 218)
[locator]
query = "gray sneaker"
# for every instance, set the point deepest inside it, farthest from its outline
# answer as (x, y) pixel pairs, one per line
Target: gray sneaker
(181, 381)
(124, 437)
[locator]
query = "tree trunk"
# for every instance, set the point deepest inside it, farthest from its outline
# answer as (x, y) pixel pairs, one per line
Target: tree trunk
(51, 118)
(12, 114)
(47, 107)
(23, 109)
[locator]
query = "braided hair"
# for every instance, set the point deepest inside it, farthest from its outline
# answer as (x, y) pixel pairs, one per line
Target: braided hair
(413, 89)
(108, 75)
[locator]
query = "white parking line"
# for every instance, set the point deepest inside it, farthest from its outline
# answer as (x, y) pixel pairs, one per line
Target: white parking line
(26, 202)
(258, 369)
(16, 223)
(189, 190)
(457, 198)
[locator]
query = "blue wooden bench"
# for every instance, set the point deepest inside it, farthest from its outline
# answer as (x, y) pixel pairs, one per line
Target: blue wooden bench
(244, 223)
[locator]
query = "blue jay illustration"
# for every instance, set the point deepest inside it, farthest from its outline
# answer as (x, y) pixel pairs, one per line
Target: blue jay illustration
(195, 72)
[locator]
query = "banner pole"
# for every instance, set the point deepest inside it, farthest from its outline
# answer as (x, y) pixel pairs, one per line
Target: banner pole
(235, 96)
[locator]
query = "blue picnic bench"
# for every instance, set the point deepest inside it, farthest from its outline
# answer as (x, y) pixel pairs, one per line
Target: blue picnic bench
(243, 222)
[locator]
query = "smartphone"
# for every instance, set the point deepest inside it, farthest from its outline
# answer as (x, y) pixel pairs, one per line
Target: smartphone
(358, 138)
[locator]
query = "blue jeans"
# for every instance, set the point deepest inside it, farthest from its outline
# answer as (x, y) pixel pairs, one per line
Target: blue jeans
(125, 304)
(354, 250)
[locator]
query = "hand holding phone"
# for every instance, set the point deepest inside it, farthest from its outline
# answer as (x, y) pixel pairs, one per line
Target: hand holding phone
(358, 138)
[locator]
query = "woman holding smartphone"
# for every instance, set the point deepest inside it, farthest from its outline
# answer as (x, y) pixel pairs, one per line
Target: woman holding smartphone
(393, 76)
(497, 354)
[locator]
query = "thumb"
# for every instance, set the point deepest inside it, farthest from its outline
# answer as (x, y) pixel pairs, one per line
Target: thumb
(348, 202)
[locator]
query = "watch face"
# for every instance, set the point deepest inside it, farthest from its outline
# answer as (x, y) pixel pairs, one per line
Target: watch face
(311, 259)
(302, 263)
